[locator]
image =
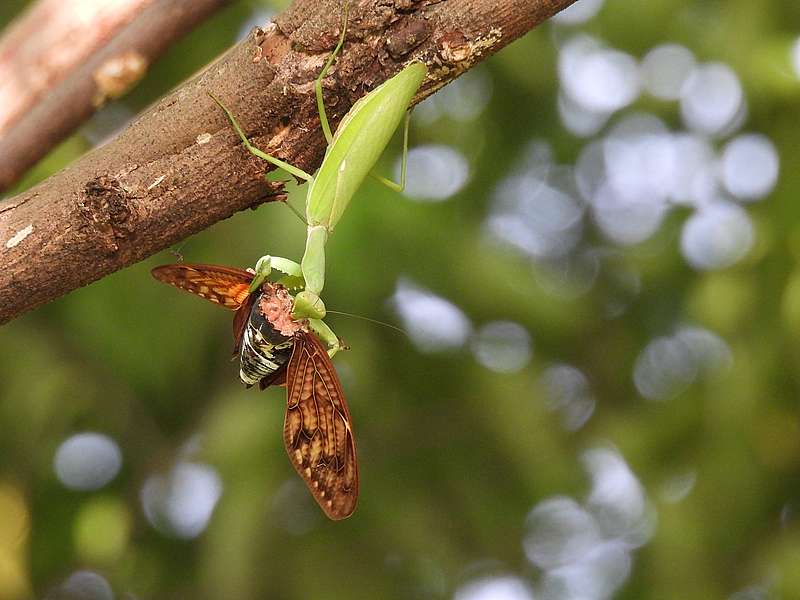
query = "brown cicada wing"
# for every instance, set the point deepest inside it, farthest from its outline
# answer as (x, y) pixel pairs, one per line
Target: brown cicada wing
(225, 286)
(317, 432)
(240, 321)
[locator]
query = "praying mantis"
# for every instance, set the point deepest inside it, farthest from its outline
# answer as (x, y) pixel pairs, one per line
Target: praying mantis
(352, 152)
(278, 336)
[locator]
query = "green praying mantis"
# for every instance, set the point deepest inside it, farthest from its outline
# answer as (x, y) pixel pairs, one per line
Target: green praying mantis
(281, 338)
(352, 152)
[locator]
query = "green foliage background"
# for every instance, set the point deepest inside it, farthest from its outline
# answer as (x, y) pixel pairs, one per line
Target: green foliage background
(453, 456)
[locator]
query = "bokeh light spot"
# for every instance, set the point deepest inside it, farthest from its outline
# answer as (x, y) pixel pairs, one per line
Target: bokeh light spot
(626, 220)
(750, 166)
(433, 323)
(536, 215)
(795, 57)
(717, 236)
(694, 181)
(579, 12)
(709, 351)
(579, 120)
(435, 172)
(669, 364)
(505, 587)
(663, 369)
(640, 158)
(181, 502)
(585, 550)
(83, 585)
(665, 69)
(559, 531)
(568, 393)
(87, 461)
(597, 78)
(711, 98)
(462, 100)
(502, 346)
(598, 575)
(617, 499)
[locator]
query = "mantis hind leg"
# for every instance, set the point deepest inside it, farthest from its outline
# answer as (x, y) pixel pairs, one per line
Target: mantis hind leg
(398, 187)
(323, 117)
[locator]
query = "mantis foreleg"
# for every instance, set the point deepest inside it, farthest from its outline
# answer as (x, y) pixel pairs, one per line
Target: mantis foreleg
(325, 334)
(291, 169)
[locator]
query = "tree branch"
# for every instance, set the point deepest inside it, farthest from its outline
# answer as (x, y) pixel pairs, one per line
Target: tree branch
(47, 41)
(40, 106)
(180, 168)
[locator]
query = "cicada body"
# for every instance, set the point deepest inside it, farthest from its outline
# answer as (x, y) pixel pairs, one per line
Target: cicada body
(264, 349)
(275, 349)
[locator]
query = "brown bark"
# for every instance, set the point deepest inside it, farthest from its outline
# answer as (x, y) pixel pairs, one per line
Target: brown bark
(180, 168)
(54, 79)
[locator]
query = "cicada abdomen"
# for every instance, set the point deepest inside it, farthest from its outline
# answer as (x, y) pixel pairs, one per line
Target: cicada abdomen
(268, 336)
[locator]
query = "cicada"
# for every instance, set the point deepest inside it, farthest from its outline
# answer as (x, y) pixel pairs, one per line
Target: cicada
(274, 348)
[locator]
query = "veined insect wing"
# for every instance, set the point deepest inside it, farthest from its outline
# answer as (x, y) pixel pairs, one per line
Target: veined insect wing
(225, 286)
(318, 430)
(240, 322)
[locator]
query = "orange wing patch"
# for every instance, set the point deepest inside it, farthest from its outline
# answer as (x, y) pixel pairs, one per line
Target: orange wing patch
(317, 431)
(225, 286)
